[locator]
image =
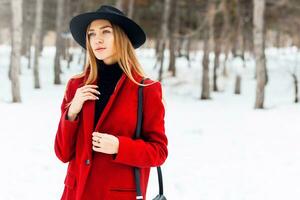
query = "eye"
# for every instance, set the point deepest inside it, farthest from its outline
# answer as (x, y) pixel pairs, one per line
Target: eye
(91, 34)
(106, 31)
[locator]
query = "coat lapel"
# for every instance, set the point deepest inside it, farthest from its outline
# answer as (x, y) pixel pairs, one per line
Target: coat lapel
(88, 113)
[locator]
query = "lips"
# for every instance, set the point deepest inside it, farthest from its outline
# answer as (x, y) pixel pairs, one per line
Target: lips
(100, 49)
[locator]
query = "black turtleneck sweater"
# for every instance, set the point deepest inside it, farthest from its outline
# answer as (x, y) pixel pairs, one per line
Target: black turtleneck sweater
(108, 76)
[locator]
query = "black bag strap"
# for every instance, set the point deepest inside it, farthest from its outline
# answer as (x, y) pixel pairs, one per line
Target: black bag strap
(138, 135)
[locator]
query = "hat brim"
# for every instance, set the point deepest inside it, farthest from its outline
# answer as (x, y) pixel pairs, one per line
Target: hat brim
(79, 24)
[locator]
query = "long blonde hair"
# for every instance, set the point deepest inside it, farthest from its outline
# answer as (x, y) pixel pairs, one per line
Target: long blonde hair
(125, 54)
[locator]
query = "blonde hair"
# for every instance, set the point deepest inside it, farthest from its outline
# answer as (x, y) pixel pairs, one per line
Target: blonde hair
(125, 54)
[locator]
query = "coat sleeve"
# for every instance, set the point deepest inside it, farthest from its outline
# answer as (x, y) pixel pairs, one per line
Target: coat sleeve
(151, 150)
(65, 138)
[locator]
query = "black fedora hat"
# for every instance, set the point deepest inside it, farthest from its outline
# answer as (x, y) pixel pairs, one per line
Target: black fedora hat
(79, 24)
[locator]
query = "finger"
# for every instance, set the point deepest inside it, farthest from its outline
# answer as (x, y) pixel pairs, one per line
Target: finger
(97, 149)
(90, 90)
(89, 86)
(96, 144)
(106, 137)
(96, 139)
(97, 134)
(103, 135)
(89, 97)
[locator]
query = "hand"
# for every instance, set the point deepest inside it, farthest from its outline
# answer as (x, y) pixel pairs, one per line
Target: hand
(87, 92)
(105, 143)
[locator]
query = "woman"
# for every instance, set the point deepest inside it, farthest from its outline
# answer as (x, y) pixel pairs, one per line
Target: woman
(99, 112)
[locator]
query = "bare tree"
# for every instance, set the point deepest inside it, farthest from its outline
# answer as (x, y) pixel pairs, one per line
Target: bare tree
(217, 28)
(119, 4)
(130, 8)
(173, 40)
(38, 35)
(237, 63)
(238, 46)
(164, 31)
(208, 35)
(294, 76)
(16, 8)
(258, 34)
(225, 35)
(293, 73)
(28, 24)
(59, 41)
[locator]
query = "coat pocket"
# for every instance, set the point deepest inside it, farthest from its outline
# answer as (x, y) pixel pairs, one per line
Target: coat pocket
(122, 194)
(70, 181)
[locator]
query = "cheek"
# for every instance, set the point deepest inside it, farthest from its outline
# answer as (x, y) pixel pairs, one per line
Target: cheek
(110, 40)
(92, 42)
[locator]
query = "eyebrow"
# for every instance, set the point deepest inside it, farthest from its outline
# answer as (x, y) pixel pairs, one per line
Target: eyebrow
(103, 27)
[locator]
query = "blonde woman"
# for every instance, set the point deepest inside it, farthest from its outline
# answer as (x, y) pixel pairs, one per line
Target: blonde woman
(95, 134)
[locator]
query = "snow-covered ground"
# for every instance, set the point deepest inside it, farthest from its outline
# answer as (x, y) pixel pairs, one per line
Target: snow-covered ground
(219, 149)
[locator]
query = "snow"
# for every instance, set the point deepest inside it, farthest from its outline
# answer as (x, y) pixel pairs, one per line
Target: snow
(219, 149)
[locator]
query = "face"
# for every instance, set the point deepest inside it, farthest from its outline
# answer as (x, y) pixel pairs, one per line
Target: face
(101, 39)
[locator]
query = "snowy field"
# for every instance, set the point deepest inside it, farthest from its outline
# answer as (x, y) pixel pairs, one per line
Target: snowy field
(219, 149)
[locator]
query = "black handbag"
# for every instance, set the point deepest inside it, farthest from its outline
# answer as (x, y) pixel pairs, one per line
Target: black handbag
(139, 195)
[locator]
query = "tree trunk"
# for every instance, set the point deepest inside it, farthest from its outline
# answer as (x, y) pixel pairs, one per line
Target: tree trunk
(296, 87)
(29, 53)
(216, 65)
(239, 47)
(69, 55)
(119, 4)
(16, 6)
(227, 50)
(237, 89)
(130, 9)
(164, 28)
(38, 35)
(205, 93)
(28, 16)
(172, 60)
(59, 41)
(180, 41)
(258, 34)
(225, 35)
(208, 37)
(277, 38)
(173, 40)
(157, 50)
(11, 53)
(188, 51)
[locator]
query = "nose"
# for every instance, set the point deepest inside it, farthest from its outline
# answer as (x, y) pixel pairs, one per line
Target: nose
(99, 39)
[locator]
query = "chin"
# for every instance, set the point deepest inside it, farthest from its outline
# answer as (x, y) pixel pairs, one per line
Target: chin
(100, 57)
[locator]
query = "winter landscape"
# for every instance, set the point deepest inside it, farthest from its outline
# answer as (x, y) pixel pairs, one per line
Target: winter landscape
(219, 149)
(231, 110)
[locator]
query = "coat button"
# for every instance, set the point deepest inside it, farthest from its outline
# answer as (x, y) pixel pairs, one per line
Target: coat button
(87, 162)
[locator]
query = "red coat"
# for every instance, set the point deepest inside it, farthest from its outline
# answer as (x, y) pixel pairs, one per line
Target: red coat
(73, 141)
